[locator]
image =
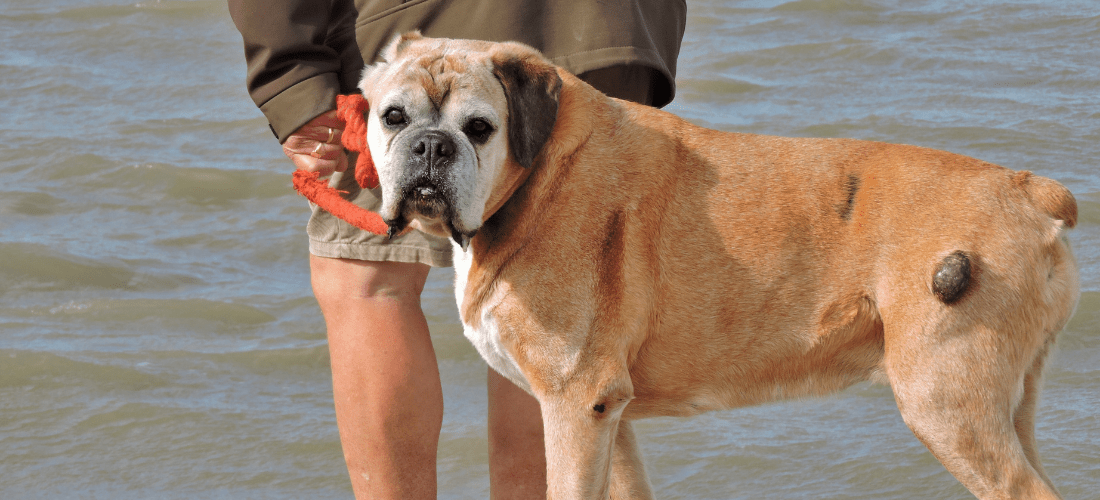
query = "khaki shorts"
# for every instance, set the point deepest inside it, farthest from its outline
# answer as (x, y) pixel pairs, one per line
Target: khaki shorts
(334, 238)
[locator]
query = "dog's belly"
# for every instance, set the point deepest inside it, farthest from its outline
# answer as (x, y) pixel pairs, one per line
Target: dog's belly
(486, 335)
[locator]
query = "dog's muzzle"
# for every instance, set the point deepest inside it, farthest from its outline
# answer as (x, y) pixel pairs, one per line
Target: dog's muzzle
(427, 190)
(432, 151)
(426, 199)
(431, 156)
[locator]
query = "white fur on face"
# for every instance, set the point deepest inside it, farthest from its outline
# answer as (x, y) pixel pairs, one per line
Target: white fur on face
(475, 93)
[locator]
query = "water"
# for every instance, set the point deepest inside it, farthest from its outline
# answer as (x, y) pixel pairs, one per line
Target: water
(158, 337)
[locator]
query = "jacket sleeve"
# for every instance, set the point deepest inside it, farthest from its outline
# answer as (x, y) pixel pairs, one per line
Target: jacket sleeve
(292, 74)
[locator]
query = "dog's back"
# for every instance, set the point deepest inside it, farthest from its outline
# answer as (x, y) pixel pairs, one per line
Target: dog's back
(800, 266)
(783, 253)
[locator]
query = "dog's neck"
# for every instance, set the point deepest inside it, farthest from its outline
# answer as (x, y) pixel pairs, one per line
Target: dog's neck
(513, 217)
(515, 178)
(510, 198)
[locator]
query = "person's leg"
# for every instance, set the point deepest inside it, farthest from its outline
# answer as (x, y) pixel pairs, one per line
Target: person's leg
(517, 462)
(389, 403)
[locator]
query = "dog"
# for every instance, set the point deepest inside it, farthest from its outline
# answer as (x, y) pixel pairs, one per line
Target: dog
(620, 263)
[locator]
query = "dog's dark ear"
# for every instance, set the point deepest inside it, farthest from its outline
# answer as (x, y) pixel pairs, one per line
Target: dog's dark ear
(532, 86)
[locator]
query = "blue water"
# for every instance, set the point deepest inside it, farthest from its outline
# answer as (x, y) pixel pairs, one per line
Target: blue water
(159, 339)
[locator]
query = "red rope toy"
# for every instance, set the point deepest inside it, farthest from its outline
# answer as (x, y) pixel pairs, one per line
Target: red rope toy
(350, 109)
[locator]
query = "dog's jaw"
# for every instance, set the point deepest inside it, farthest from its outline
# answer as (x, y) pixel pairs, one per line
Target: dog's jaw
(463, 239)
(435, 197)
(428, 208)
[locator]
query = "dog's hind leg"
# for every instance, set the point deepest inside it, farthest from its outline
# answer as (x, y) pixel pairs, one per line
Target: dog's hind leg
(1024, 417)
(628, 477)
(1063, 289)
(964, 394)
(965, 361)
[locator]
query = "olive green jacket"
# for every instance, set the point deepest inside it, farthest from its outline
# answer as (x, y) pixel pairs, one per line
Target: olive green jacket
(301, 53)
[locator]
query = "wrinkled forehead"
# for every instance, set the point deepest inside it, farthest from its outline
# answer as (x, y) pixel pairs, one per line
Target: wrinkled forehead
(441, 75)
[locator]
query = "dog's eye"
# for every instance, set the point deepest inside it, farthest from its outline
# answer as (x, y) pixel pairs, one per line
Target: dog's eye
(478, 130)
(394, 117)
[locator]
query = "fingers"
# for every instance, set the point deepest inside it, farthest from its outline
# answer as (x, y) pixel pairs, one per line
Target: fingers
(316, 147)
(326, 128)
(326, 165)
(311, 147)
(328, 119)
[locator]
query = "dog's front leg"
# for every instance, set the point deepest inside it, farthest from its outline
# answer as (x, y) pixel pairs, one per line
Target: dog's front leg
(628, 477)
(580, 423)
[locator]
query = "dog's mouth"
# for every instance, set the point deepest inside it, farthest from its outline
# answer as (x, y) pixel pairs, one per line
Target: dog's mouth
(425, 199)
(428, 203)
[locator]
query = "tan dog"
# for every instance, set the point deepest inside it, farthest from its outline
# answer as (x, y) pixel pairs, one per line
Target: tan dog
(621, 263)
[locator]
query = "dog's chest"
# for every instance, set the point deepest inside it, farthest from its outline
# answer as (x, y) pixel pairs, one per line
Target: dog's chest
(486, 337)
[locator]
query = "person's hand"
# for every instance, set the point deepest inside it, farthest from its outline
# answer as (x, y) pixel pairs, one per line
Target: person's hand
(316, 146)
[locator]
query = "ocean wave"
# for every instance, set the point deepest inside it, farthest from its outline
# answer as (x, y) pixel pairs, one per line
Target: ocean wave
(45, 268)
(195, 311)
(46, 370)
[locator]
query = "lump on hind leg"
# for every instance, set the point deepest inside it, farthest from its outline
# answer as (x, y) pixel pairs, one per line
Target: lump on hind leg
(952, 277)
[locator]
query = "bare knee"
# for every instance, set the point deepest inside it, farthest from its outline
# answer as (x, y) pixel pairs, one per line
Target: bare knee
(336, 280)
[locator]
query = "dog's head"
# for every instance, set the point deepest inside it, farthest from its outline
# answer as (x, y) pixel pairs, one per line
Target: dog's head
(450, 121)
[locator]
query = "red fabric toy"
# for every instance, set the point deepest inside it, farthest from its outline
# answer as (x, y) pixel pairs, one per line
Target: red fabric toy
(351, 109)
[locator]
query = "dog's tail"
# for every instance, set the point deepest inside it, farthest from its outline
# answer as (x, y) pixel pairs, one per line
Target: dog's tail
(1049, 196)
(1059, 281)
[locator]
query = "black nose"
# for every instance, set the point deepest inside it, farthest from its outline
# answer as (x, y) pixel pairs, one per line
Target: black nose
(434, 147)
